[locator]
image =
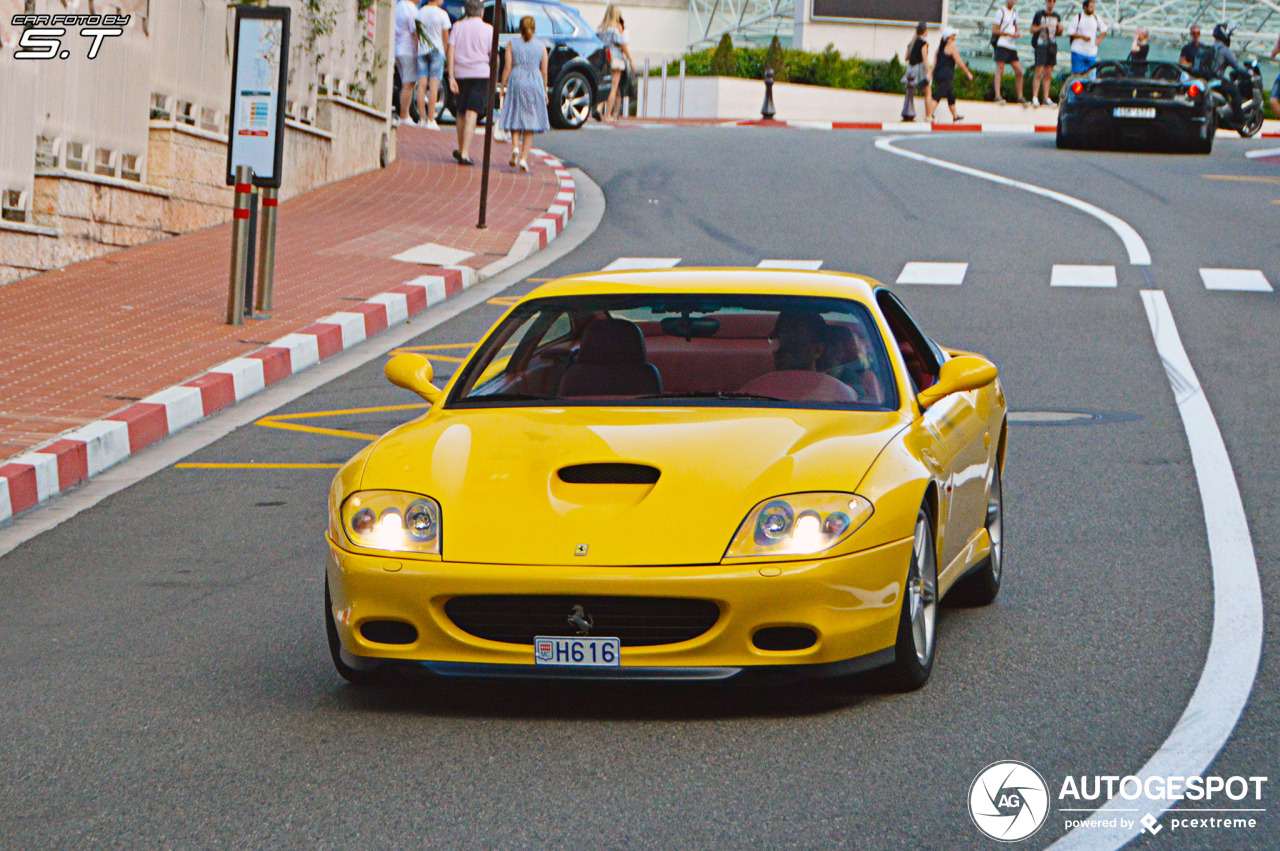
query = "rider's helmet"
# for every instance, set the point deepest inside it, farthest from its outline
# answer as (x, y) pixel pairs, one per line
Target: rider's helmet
(1222, 32)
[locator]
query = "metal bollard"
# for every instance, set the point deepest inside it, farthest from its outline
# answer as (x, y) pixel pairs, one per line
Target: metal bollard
(767, 111)
(681, 88)
(662, 108)
(267, 249)
(239, 245)
(644, 91)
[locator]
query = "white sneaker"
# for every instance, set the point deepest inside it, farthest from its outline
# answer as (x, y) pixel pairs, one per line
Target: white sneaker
(432, 125)
(1035, 101)
(1050, 104)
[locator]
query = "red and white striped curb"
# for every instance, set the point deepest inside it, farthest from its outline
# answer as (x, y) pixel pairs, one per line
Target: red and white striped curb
(31, 478)
(902, 126)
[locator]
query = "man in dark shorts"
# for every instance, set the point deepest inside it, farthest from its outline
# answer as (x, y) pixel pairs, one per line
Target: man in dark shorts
(944, 72)
(1046, 26)
(1004, 29)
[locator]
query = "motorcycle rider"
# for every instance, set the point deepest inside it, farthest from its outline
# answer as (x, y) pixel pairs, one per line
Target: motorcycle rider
(1224, 57)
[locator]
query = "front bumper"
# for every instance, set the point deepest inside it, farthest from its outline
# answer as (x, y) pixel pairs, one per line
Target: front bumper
(852, 603)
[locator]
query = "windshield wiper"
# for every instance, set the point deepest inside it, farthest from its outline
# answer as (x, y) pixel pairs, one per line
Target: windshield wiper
(712, 394)
(507, 397)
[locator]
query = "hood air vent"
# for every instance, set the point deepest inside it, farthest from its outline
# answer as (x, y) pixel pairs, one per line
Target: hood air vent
(609, 474)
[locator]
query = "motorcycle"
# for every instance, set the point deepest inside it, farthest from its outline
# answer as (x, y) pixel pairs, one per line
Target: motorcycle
(1252, 96)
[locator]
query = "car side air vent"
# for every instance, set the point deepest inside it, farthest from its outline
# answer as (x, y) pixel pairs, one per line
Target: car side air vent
(609, 474)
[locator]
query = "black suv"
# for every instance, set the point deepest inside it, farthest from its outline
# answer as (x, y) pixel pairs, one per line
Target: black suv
(576, 65)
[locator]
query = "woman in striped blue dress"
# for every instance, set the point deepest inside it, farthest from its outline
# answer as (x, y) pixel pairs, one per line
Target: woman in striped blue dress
(524, 112)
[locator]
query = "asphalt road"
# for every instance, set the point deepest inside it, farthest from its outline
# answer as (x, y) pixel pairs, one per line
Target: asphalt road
(168, 682)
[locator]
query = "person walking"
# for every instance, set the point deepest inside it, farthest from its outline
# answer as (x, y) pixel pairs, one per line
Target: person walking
(1046, 26)
(944, 73)
(1086, 31)
(406, 55)
(917, 76)
(470, 42)
(1275, 87)
(1004, 29)
(433, 33)
(614, 35)
(525, 110)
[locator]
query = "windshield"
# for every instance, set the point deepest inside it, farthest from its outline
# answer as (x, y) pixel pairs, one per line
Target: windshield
(656, 349)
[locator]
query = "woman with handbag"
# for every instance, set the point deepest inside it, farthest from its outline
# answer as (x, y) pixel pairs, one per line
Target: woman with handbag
(614, 35)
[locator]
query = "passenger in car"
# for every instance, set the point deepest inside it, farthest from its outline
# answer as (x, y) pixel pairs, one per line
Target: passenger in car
(844, 358)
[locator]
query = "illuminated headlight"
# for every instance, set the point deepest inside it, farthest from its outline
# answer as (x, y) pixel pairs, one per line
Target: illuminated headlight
(799, 524)
(392, 520)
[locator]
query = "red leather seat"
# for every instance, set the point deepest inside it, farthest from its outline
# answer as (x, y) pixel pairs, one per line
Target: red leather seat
(611, 362)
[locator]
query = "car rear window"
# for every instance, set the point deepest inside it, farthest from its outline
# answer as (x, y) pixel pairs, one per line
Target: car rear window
(720, 350)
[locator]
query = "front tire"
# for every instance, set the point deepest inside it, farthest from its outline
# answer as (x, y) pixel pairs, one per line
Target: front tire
(1252, 124)
(571, 101)
(917, 625)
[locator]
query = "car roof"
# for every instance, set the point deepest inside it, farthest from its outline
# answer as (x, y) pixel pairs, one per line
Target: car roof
(731, 281)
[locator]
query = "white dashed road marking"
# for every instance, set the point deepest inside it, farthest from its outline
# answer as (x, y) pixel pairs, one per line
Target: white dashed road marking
(790, 264)
(1243, 280)
(947, 274)
(625, 263)
(1083, 276)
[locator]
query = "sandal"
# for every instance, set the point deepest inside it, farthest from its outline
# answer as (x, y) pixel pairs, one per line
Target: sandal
(524, 166)
(466, 161)
(515, 158)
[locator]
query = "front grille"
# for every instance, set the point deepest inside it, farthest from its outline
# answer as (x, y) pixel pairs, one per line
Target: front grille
(635, 621)
(609, 474)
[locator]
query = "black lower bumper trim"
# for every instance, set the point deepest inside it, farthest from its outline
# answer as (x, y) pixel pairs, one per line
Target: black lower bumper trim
(744, 675)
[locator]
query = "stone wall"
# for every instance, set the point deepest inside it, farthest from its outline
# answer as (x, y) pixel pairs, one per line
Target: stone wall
(79, 215)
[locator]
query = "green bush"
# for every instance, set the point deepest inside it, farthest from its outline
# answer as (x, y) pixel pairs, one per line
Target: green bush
(723, 62)
(829, 68)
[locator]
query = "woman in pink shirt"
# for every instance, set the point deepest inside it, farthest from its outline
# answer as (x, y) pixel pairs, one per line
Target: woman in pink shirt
(470, 41)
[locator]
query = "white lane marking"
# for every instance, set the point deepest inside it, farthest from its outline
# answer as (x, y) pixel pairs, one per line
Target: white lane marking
(790, 264)
(622, 264)
(948, 274)
(1138, 253)
(1235, 644)
(1083, 276)
(1244, 280)
(1265, 152)
(432, 254)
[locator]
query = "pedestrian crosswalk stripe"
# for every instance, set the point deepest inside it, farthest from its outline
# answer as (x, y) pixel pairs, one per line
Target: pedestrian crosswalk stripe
(790, 264)
(1083, 276)
(624, 263)
(946, 274)
(1246, 280)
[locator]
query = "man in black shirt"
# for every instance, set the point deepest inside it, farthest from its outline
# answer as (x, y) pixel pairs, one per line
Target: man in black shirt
(1190, 56)
(1046, 26)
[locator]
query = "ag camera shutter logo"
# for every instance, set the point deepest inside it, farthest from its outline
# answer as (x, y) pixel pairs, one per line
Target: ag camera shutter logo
(1008, 801)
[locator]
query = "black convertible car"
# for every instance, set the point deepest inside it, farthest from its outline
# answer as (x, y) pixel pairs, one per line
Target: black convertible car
(1137, 104)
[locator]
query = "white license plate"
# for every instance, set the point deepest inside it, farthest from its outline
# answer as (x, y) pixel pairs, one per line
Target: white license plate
(580, 652)
(1134, 112)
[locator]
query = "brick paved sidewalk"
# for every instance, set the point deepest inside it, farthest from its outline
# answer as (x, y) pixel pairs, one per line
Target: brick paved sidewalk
(83, 342)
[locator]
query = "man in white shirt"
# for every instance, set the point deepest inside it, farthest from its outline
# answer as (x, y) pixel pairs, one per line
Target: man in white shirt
(433, 29)
(406, 54)
(1086, 31)
(1004, 29)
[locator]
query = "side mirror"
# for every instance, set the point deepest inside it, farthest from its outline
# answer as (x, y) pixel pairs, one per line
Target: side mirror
(413, 372)
(965, 372)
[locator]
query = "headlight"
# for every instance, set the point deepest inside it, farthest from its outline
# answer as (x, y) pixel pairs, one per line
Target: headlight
(800, 524)
(392, 520)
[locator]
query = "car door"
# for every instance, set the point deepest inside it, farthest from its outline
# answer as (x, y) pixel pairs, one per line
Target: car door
(950, 434)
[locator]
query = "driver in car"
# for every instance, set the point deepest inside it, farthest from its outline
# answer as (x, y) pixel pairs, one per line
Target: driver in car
(1224, 57)
(801, 336)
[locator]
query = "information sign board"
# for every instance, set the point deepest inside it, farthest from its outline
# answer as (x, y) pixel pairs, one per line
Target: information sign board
(893, 11)
(259, 76)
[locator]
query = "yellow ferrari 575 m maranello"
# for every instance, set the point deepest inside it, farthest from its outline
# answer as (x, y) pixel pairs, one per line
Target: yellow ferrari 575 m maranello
(684, 474)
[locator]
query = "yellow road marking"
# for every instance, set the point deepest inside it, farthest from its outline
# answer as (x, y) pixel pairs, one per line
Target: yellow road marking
(331, 432)
(284, 421)
(254, 466)
(505, 300)
(1240, 178)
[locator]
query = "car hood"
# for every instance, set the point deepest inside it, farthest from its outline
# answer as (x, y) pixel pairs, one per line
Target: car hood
(494, 472)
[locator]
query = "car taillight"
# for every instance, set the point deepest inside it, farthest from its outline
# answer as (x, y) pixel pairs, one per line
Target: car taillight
(1077, 87)
(1193, 90)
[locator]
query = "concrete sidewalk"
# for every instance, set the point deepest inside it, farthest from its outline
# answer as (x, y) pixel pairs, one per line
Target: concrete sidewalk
(104, 357)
